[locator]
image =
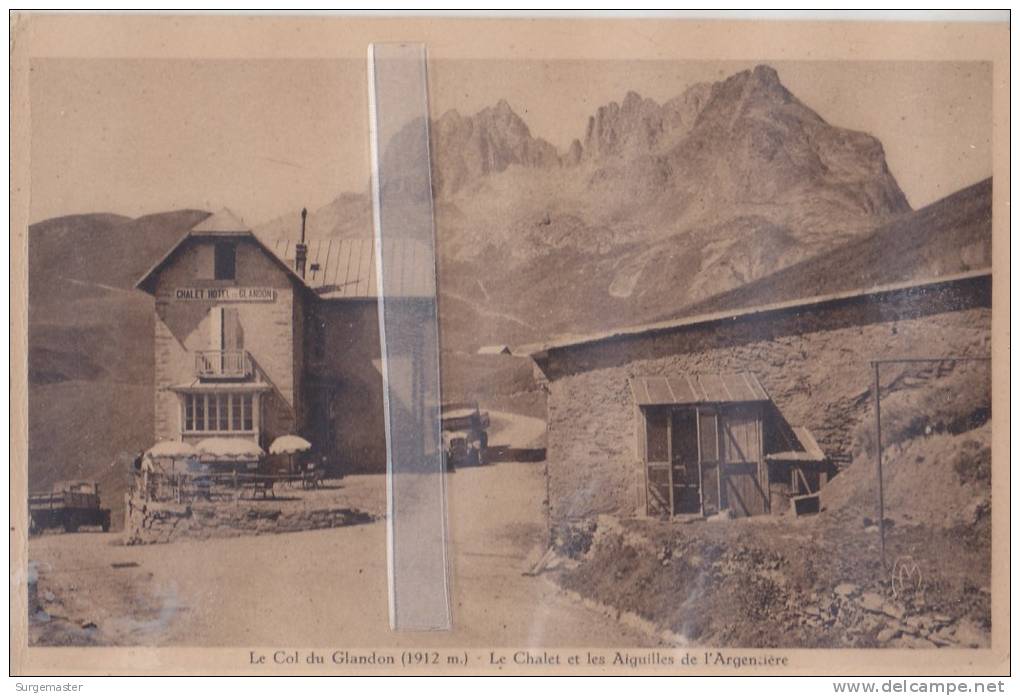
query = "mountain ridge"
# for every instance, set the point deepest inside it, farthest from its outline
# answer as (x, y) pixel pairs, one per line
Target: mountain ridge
(654, 205)
(744, 140)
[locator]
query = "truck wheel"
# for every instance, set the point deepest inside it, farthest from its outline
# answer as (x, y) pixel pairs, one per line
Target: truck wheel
(105, 523)
(483, 451)
(473, 457)
(70, 524)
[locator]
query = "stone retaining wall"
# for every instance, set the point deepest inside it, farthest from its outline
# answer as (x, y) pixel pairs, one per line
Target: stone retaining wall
(165, 522)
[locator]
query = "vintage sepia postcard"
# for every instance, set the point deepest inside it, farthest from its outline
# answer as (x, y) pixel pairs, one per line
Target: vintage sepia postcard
(506, 346)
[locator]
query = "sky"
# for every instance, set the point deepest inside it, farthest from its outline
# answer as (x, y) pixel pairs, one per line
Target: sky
(267, 137)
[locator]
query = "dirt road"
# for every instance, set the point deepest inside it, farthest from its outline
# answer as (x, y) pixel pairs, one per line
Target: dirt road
(516, 431)
(323, 587)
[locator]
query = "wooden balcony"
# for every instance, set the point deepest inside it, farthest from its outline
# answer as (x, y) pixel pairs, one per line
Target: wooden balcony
(223, 364)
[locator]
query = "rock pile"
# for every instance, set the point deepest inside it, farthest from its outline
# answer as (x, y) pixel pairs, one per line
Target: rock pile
(865, 616)
(738, 585)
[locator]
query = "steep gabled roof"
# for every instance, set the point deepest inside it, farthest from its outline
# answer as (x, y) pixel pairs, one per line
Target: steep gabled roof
(222, 223)
(335, 269)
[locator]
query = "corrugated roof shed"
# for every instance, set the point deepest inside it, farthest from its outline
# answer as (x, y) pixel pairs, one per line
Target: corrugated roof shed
(346, 268)
(697, 389)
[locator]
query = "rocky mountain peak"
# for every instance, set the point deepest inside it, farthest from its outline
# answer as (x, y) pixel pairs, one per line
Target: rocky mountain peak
(638, 126)
(493, 139)
(504, 109)
(763, 80)
(750, 91)
(766, 75)
(621, 129)
(753, 140)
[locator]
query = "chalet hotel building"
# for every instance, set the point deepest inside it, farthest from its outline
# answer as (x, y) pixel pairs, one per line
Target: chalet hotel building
(256, 338)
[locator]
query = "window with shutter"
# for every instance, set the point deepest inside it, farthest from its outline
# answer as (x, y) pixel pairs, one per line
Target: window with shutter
(226, 260)
(233, 337)
(216, 328)
(204, 262)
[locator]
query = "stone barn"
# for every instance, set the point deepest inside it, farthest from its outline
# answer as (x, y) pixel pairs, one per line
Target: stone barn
(256, 338)
(741, 409)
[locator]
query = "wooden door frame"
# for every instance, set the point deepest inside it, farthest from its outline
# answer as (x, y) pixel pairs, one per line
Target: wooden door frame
(701, 470)
(691, 410)
(714, 410)
(669, 459)
(669, 411)
(647, 462)
(758, 412)
(717, 412)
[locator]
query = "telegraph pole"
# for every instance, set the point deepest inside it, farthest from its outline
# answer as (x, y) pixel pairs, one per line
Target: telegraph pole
(876, 390)
(878, 461)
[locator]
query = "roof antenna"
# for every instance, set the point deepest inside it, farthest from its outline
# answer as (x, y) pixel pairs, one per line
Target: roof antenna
(301, 251)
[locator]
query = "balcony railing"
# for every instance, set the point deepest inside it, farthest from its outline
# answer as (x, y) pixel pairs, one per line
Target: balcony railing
(223, 364)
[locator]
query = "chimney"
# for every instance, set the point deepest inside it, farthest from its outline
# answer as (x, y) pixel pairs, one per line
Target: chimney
(301, 250)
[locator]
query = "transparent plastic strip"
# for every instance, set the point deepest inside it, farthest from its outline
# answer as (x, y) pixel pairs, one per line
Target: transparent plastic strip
(417, 561)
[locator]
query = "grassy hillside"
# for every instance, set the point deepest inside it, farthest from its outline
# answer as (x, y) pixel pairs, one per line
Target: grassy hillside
(952, 235)
(88, 430)
(90, 353)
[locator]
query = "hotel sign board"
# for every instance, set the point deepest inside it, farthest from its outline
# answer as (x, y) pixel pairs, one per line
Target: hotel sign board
(231, 294)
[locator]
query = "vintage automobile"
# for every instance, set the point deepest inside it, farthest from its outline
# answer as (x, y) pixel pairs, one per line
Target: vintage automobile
(464, 436)
(71, 504)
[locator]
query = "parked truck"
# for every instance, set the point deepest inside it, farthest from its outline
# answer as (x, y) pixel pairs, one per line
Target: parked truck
(71, 504)
(464, 434)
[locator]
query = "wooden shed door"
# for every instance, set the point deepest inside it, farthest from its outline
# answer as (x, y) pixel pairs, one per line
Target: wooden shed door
(684, 462)
(708, 452)
(743, 490)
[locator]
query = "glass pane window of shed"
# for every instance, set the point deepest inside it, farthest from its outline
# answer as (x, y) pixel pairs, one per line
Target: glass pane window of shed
(657, 428)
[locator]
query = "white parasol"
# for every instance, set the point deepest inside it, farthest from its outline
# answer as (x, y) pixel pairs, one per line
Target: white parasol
(172, 449)
(230, 448)
(289, 444)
